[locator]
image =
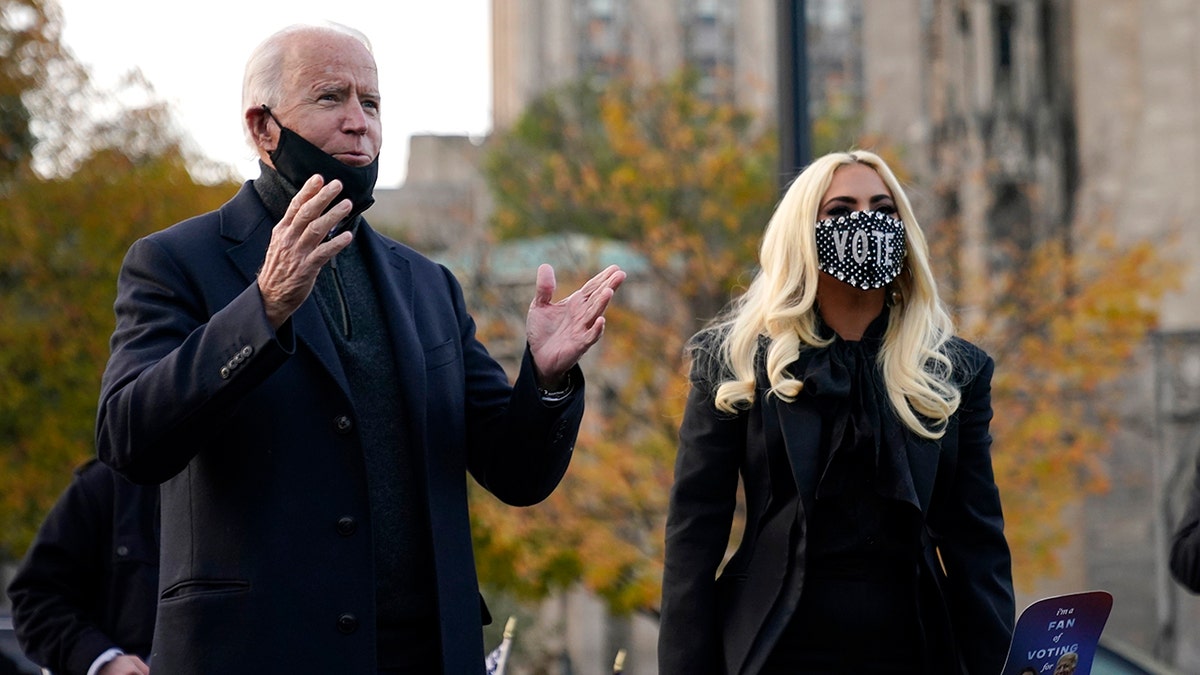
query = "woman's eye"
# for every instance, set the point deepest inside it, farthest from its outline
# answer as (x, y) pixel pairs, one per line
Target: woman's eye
(887, 209)
(837, 211)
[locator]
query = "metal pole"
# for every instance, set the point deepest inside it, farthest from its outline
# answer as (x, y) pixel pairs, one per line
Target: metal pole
(795, 142)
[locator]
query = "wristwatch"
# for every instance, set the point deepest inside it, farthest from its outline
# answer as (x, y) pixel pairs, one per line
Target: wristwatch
(556, 396)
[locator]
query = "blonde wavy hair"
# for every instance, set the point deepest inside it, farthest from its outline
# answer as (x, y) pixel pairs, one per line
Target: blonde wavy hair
(780, 305)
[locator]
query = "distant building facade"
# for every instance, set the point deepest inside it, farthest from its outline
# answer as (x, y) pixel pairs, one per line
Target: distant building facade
(444, 203)
(1021, 121)
(1031, 120)
(538, 45)
(979, 96)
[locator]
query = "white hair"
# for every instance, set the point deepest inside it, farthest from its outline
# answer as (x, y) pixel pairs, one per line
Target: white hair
(262, 83)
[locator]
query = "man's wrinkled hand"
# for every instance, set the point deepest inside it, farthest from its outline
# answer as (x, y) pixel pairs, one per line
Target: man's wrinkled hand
(125, 664)
(298, 248)
(560, 333)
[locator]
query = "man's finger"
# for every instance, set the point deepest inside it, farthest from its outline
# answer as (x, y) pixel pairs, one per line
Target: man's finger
(608, 279)
(325, 252)
(601, 279)
(320, 227)
(545, 286)
(315, 206)
(600, 299)
(311, 187)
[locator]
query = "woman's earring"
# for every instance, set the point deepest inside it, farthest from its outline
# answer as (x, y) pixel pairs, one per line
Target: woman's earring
(894, 298)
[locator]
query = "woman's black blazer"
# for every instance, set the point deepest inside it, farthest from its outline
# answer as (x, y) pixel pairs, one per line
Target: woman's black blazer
(728, 623)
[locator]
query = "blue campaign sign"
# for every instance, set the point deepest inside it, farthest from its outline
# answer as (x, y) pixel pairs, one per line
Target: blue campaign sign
(1058, 635)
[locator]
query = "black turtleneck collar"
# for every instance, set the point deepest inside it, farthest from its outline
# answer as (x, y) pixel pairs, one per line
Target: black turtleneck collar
(276, 192)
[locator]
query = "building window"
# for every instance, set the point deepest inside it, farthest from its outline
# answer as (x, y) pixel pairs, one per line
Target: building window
(1005, 22)
(709, 43)
(602, 45)
(1049, 49)
(602, 8)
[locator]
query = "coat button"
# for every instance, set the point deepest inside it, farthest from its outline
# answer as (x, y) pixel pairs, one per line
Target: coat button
(346, 526)
(347, 624)
(342, 423)
(225, 372)
(247, 351)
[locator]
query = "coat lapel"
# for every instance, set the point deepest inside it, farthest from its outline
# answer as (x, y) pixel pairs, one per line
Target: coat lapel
(924, 455)
(798, 425)
(394, 284)
(246, 224)
(313, 332)
(768, 598)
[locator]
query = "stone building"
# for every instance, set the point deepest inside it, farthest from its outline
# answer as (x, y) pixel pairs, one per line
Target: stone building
(1040, 119)
(978, 94)
(540, 44)
(1021, 121)
(444, 203)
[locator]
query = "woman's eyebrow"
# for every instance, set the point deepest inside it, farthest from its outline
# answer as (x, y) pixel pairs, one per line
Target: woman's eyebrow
(844, 199)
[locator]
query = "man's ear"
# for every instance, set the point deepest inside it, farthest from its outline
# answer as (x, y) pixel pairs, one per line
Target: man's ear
(261, 129)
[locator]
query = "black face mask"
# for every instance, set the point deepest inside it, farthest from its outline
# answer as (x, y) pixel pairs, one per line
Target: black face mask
(865, 249)
(297, 160)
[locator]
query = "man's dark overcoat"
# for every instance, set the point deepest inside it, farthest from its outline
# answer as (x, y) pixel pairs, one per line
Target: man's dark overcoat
(267, 563)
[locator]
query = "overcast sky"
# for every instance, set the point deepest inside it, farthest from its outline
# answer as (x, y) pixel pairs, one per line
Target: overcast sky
(434, 61)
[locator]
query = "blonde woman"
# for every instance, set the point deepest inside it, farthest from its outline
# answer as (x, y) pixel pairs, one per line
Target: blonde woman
(858, 423)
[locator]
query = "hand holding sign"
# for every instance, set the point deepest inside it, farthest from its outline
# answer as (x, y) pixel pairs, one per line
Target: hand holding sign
(1059, 635)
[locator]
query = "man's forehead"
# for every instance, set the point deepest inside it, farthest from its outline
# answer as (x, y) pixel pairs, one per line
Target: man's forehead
(324, 69)
(328, 51)
(332, 72)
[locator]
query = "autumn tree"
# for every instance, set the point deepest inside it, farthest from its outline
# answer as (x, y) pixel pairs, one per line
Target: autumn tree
(685, 181)
(109, 173)
(686, 184)
(689, 185)
(1064, 325)
(29, 47)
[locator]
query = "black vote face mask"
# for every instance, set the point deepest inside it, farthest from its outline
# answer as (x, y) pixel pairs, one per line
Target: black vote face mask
(864, 248)
(297, 160)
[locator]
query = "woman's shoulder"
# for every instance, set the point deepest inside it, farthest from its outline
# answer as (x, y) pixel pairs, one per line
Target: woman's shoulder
(705, 351)
(968, 358)
(966, 348)
(709, 344)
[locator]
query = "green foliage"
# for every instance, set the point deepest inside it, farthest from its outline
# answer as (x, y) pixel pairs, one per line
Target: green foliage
(66, 229)
(1064, 328)
(839, 129)
(66, 238)
(689, 185)
(29, 47)
(685, 181)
